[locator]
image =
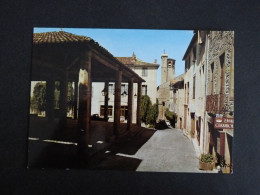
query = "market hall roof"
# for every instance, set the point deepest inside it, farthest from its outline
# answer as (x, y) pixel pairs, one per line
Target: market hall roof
(58, 37)
(64, 40)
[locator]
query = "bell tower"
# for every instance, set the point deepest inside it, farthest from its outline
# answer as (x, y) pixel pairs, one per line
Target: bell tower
(167, 68)
(170, 69)
(164, 71)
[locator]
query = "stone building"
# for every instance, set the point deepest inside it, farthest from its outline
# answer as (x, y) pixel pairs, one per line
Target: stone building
(178, 100)
(206, 93)
(194, 91)
(164, 94)
(220, 95)
(147, 71)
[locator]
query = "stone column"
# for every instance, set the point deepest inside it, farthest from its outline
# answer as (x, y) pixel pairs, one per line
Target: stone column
(85, 93)
(89, 94)
(63, 96)
(76, 91)
(84, 109)
(130, 105)
(50, 99)
(106, 101)
(139, 95)
(117, 103)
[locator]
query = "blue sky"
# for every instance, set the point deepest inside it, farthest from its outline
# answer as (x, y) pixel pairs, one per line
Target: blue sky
(147, 45)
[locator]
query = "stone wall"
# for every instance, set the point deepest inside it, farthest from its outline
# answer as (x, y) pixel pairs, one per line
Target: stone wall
(221, 42)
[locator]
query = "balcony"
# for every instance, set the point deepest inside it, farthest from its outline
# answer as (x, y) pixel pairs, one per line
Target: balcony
(215, 103)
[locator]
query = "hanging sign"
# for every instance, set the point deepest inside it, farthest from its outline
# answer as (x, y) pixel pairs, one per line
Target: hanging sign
(223, 123)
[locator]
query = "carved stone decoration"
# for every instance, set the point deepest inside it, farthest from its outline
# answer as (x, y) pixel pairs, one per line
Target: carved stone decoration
(220, 42)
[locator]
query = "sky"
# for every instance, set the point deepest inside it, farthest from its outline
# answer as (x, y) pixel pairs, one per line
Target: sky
(147, 45)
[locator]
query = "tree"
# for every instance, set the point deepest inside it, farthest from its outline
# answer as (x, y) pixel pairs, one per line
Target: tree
(171, 116)
(152, 115)
(38, 100)
(145, 106)
(149, 112)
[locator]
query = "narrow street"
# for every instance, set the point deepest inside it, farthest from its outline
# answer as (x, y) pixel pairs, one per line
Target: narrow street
(167, 151)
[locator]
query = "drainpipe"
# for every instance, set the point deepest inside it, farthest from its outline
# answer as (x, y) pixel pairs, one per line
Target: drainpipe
(205, 102)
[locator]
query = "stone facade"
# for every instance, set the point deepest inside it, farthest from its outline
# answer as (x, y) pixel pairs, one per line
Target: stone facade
(164, 94)
(220, 83)
(208, 92)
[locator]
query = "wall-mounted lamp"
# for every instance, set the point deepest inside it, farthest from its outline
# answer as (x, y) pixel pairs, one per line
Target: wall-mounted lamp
(104, 92)
(124, 94)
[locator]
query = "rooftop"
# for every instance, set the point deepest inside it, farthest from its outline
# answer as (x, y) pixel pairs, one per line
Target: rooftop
(134, 61)
(62, 38)
(177, 79)
(58, 37)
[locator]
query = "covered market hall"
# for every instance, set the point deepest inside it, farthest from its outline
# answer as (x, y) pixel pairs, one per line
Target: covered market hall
(68, 58)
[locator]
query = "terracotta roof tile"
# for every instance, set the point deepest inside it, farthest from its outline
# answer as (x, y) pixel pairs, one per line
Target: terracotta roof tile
(178, 79)
(65, 37)
(133, 61)
(58, 37)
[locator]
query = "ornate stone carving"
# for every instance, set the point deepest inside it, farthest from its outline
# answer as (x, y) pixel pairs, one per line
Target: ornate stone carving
(220, 42)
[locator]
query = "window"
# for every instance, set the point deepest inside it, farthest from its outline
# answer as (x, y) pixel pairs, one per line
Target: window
(169, 63)
(109, 111)
(187, 64)
(222, 78)
(212, 79)
(144, 72)
(194, 84)
(188, 92)
(144, 89)
(124, 111)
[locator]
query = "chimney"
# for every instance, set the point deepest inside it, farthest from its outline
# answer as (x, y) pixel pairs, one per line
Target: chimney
(155, 61)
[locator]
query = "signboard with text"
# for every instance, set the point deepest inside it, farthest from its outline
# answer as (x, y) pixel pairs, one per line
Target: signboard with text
(223, 123)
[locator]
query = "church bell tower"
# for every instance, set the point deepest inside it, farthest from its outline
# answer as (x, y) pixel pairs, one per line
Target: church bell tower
(167, 68)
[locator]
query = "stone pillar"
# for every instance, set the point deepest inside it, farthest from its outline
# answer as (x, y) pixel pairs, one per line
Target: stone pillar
(85, 93)
(50, 99)
(117, 103)
(106, 101)
(130, 104)
(89, 94)
(76, 91)
(63, 96)
(139, 95)
(84, 109)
